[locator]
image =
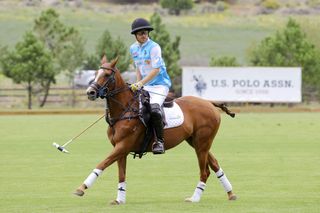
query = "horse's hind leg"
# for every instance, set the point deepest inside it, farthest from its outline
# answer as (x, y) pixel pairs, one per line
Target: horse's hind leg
(213, 163)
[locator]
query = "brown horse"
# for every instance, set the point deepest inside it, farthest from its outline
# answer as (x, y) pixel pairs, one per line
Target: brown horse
(126, 132)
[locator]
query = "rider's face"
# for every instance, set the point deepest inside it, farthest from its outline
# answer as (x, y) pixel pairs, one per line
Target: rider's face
(142, 36)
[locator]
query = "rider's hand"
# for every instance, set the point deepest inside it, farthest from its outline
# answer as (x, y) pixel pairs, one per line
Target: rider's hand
(136, 86)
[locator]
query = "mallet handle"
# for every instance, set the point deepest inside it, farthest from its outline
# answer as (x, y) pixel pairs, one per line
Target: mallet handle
(83, 131)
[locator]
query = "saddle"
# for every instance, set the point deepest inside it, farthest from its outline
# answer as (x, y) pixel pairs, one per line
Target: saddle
(144, 116)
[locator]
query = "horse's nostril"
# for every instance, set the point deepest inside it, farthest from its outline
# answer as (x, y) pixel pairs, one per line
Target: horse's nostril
(92, 92)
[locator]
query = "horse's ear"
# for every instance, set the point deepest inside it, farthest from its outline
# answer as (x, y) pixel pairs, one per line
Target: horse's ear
(104, 59)
(114, 61)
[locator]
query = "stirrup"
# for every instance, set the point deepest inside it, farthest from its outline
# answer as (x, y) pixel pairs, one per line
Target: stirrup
(158, 148)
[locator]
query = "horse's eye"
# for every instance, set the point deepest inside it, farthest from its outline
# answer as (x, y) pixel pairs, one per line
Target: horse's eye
(107, 73)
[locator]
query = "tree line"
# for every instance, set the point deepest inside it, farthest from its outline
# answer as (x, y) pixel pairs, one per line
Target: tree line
(51, 48)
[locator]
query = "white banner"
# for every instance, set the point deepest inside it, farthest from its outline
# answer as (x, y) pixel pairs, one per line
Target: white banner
(243, 84)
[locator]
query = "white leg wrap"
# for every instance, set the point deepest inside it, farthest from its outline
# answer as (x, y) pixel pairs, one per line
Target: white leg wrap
(121, 197)
(224, 180)
(92, 177)
(198, 192)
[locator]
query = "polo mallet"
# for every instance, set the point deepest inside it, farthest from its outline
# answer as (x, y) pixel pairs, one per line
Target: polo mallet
(63, 149)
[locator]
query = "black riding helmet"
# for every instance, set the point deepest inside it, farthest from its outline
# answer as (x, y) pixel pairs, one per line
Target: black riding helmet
(140, 24)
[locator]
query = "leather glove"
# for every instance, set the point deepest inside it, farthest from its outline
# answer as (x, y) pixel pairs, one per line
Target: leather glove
(136, 86)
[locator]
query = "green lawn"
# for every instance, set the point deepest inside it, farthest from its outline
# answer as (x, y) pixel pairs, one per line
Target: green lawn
(270, 158)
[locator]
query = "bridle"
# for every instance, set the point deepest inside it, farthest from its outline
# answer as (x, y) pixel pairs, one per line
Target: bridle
(105, 92)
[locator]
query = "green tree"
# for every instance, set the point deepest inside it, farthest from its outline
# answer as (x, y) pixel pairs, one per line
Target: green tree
(175, 6)
(170, 50)
(224, 61)
(64, 44)
(28, 64)
(112, 48)
(290, 47)
(91, 62)
(3, 53)
(72, 56)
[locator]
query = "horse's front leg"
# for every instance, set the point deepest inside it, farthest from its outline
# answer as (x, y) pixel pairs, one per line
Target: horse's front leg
(122, 186)
(117, 153)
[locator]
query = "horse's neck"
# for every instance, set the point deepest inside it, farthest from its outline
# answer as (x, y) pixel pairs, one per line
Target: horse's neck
(122, 99)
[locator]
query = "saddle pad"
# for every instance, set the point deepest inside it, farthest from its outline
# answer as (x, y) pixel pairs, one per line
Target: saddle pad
(174, 116)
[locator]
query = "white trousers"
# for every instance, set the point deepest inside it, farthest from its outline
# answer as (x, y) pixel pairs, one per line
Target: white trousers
(158, 93)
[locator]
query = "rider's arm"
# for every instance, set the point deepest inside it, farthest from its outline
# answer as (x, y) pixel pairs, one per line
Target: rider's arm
(150, 76)
(138, 74)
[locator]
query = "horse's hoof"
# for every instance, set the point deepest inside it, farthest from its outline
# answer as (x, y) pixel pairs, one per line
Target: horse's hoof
(233, 197)
(115, 203)
(79, 192)
(190, 200)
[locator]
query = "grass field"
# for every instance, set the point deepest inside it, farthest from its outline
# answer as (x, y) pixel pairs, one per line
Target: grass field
(270, 158)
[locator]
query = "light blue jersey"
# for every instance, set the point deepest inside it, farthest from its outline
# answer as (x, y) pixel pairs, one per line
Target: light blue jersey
(146, 57)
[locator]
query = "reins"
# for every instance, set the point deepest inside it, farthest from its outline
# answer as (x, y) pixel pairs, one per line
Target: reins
(130, 108)
(109, 95)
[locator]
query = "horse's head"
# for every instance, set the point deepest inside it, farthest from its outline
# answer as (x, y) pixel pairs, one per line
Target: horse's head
(104, 79)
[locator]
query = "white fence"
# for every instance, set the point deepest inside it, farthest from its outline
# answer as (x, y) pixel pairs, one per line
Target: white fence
(243, 84)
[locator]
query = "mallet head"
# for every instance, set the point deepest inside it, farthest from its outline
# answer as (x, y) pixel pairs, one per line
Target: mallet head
(60, 148)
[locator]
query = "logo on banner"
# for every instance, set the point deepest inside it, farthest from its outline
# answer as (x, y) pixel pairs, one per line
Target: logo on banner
(200, 85)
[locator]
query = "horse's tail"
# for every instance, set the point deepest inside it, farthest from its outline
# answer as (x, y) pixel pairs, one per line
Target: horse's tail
(224, 108)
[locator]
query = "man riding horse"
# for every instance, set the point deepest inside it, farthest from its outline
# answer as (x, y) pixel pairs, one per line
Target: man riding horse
(151, 74)
(199, 125)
